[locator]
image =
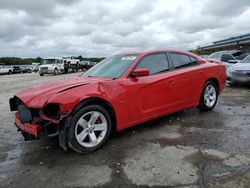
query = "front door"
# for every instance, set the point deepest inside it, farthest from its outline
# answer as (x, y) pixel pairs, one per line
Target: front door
(151, 95)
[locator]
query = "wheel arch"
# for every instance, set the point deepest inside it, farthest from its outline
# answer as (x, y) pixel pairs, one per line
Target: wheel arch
(201, 105)
(98, 101)
(215, 81)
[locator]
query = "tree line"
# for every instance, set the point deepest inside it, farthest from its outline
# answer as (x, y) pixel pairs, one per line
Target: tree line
(19, 61)
(201, 52)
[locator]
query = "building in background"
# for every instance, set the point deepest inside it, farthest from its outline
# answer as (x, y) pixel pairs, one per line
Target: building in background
(241, 42)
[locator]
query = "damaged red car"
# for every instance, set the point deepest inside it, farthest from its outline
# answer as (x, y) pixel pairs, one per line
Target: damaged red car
(119, 92)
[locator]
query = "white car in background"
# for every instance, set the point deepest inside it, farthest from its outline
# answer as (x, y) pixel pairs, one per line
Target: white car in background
(72, 62)
(225, 57)
(239, 72)
(5, 70)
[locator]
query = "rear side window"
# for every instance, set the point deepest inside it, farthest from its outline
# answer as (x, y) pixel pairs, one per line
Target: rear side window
(226, 57)
(182, 60)
(155, 63)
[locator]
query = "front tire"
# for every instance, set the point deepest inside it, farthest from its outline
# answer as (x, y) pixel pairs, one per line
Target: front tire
(209, 96)
(55, 72)
(90, 128)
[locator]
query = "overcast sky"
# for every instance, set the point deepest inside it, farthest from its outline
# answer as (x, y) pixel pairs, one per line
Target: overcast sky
(31, 28)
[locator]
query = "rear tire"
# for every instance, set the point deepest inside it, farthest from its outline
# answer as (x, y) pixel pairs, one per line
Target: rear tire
(209, 96)
(89, 130)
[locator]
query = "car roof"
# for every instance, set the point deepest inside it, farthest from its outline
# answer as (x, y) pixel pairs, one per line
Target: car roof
(229, 52)
(160, 51)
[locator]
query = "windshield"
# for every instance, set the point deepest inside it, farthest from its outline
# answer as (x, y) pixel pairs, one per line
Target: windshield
(112, 67)
(246, 60)
(215, 55)
(48, 61)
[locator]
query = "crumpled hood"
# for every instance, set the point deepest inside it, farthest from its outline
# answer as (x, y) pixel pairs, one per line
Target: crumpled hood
(241, 66)
(36, 96)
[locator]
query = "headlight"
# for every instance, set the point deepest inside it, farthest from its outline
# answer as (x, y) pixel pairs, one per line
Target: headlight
(231, 71)
(52, 111)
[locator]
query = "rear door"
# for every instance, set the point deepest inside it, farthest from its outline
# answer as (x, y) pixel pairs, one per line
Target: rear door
(187, 80)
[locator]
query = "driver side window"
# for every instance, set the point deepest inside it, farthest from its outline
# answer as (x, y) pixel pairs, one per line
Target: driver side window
(155, 63)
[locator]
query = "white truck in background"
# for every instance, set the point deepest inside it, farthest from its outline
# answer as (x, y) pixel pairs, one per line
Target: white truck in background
(55, 65)
(52, 65)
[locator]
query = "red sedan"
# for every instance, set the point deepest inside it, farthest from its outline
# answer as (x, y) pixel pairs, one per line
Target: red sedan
(120, 92)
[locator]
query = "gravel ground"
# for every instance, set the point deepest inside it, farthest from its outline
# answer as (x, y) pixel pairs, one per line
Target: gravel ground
(186, 149)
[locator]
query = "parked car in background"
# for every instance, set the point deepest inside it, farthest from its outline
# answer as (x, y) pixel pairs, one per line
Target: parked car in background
(35, 67)
(226, 57)
(26, 68)
(239, 73)
(90, 64)
(16, 69)
(87, 64)
(5, 69)
(242, 56)
(117, 93)
(83, 63)
(204, 56)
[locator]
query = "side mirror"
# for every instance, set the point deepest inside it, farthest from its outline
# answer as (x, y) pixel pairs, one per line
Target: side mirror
(232, 61)
(140, 72)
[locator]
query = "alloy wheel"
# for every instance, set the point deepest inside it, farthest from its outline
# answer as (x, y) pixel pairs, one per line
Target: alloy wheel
(91, 129)
(210, 95)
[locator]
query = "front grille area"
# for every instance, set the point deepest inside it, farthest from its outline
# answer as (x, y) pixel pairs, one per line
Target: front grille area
(44, 69)
(239, 74)
(242, 73)
(24, 113)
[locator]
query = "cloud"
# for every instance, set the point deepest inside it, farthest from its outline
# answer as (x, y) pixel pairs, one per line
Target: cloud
(226, 8)
(101, 28)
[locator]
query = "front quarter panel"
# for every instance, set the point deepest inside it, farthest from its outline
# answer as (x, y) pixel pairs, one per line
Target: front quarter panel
(114, 92)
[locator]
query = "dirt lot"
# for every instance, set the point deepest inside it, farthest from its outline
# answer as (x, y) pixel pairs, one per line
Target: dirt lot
(187, 149)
